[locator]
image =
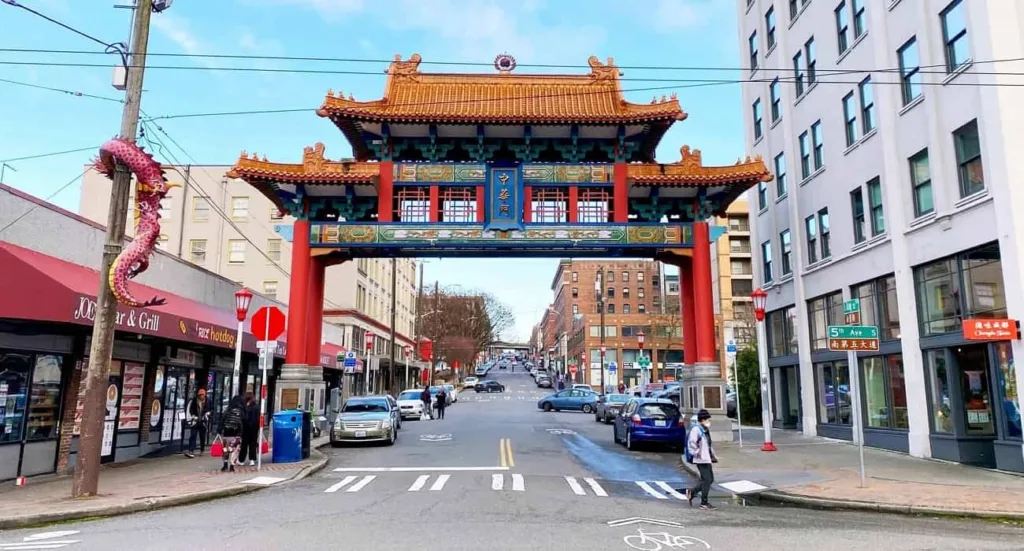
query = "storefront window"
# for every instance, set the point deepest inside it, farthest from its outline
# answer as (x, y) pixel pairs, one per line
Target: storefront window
(889, 308)
(865, 292)
(938, 289)
(897, 392)
(938, 386)
(975, 389)
(876, 412)
(791, 329)
(833, 393)
(983, 279)
(13, 393)
(44, 405)
(777, 333)
(1008, 391)
(816, 314)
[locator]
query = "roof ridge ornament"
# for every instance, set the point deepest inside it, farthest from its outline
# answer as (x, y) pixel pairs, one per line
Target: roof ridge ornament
(690, 159)
(603, 71)
(313, 159)
(505, 63)
(408, 67)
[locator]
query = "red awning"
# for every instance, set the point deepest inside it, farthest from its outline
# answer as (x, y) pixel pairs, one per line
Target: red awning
(35, 286)
(329, 355)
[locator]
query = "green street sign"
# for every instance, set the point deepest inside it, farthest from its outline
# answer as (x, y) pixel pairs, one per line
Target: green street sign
(852, 332)
(851, 306)
(644, 362)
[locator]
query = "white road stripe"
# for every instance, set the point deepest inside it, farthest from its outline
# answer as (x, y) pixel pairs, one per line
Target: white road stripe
(439, 483)
(361, 484)
(598, 490)
(518, 483)
(647, 488)
(340, 485)
(59, 544)
(497, 481)
(421, 481)
(670, 490)
(576, 488)
(413, 469)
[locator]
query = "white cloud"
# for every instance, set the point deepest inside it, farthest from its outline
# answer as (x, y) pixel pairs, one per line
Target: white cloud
(328, 9)
(179, 31)
(674, 15)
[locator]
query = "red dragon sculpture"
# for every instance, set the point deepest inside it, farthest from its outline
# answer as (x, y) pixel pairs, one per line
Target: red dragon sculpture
(150, 188)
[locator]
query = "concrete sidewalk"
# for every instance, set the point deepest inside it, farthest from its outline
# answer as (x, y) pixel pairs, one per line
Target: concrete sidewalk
(144, 485)
(818, 472)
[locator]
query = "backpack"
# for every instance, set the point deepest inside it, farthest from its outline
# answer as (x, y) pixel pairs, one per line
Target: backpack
(233, 420)
(686, 449)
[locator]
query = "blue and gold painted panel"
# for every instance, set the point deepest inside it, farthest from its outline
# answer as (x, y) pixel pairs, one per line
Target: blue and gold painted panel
(468, 173)
(504, 196)
(536, 173)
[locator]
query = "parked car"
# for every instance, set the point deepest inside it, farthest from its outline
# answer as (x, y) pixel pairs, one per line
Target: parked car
(570, 399)
(469, 382)
(582, 386)
(671, 394)
(410, 406)
(544, 382)
(645, 420)
(489, 386)
(367, 419)
(608, 406)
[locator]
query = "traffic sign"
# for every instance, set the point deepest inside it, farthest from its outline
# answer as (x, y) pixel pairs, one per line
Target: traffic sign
(350, 359)
(851, 306)
(852, 338)
(267, 323)
(730, 347)
(852, 318)
(612, 367)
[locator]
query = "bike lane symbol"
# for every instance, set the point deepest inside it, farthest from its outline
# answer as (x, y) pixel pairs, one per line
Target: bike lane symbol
(656, 541)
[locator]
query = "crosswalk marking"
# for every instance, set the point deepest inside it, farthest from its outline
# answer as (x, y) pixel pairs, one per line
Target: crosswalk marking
(518, 483)
(647, 488)
(576, 488)
(598, 490)
(670, 490)
(421, 481)
(361, 484)
(497, 482)
(439, 483)
(340, 485)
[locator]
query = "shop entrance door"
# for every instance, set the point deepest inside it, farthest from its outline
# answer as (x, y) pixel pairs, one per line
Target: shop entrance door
(786, 397)
(976, 389)
(176, 393)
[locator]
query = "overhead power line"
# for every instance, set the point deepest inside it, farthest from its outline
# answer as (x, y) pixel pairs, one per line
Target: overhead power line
(119, 48)
(61, 90)
(52, 154)
(36, 205)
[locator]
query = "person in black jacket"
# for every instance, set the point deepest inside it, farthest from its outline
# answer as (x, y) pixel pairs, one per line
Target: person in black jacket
(197, 417)
(441, 403)
(231, 425)
(250, 430)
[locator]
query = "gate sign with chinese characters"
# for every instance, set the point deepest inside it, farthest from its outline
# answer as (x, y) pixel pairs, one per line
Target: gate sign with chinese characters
(991, 329)
(505, 199)
(852, 338)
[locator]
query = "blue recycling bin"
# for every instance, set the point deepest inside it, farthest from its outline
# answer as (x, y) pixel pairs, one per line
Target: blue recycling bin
(287, 436)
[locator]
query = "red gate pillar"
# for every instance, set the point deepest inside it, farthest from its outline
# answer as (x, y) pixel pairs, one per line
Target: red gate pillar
(620, 193)
(686, 308)
(315, 311)
(386, 191)
(298, 294)
(702, 294)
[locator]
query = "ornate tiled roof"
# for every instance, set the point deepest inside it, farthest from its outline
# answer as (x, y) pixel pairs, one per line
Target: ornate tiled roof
(315, 168)
(503, 98)
(691, 172)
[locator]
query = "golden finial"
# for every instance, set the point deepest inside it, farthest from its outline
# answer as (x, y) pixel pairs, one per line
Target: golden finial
(351, 97)
(330, 92)
(758, 158)
(674, 96)
(654, 99)
(748, 158)
(663, 98)
(264, 158)
(244, 154)
(255, 156)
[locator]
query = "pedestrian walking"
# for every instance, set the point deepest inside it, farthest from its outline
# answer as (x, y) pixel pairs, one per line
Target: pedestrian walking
(561, 384)
(700, 452)
(197, 417)
(231, 425)
(250, 430)
(425, 398)
(622, 388)
(442, 402)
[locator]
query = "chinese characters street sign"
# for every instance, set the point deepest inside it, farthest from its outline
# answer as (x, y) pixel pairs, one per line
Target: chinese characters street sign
(852, 338)
(991, 329)
(851, 312)
(505, 199)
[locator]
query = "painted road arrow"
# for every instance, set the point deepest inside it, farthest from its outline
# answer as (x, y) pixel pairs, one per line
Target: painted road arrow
(641, 520)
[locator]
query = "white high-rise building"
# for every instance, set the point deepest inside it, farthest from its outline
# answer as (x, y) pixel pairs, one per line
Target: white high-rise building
(891, 126)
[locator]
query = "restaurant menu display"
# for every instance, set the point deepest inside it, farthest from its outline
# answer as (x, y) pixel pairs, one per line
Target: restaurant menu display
(131, 396)
(80, 404)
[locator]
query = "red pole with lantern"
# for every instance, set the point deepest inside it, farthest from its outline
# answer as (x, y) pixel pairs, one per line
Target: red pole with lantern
(243, 298)
(760, 299)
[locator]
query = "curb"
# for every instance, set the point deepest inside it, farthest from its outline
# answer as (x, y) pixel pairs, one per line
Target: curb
(807, 502)
(152, 505)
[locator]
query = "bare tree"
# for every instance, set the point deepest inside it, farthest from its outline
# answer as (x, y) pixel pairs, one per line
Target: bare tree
(463, 323)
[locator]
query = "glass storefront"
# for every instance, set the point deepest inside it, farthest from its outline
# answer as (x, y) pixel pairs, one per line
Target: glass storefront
(975, 389)
(885, 394)
(1007, 384)
(786, 396)
(30, 409)
(834, 405)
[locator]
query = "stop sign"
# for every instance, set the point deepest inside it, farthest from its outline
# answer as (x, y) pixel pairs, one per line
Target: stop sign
(572, 370)
(267, 323)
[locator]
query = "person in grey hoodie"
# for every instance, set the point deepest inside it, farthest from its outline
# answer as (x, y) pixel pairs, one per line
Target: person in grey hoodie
(702, 454)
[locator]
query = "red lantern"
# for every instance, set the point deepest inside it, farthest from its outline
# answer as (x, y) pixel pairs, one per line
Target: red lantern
(640, 339)
(369, 340)
(242, 300)
(760, 300)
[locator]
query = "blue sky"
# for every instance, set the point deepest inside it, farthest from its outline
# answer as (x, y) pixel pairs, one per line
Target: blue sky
(661, 33)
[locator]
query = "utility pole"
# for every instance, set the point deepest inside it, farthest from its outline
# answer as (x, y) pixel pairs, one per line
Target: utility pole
(436, 331)
(601, 307)
(391, 357)
(87, 466)
(419, 316)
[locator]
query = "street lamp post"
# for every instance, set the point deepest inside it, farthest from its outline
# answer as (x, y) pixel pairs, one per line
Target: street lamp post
(243, 298)
(640, 338)
(599, 287)
(369, 349)
(408, 350)
(760, 299)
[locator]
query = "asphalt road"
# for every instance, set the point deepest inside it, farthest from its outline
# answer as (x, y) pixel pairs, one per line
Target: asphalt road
(493, 475)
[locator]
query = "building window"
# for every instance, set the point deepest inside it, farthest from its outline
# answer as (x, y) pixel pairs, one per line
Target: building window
(938, 386)
(575, 292)
(197, 251)
(575, 276)
(823, 231)
(575, 309)
(625, 308)
(812, 60)
(611, 309)
(781, 326)
(752, 43)
(842, 28)
(780, 174)
(640, 292)
(757, 118)
(549, 206)
(769, 27)
(878, 306)
(786, 247)
(766, 261)
(239, 208)
(625, 277)
(859, 220)
(274, 250)
(867, 105)
(762, 195)
(739, 246)
(413, 204)
(875, 206)
(811, 229)
(938, 292)
(798, 73)
(165, 209)
(775, 92)
(850, 118)
(954, 35)
(819, 145)
(275, 213)
(968, 159)
(625, 292)
(738, 266)
(611, 276)
(921, 182)
(611, 292)
(641, 309)
(640, 278)
(805, 156)
(1007, 385)
(742, 287)
(859, 19)
(834, 404)
(458, 204)
(236, 251)
(738, 223)
(822, 312)
(200, 209)
(910, 71)
(270, 289)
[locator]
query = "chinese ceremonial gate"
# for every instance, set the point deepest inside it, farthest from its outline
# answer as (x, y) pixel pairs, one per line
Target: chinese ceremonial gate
(471, 165)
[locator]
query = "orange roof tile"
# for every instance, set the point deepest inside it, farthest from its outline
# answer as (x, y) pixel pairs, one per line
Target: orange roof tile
(690, 172)
(315, 168)
(503, 98)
